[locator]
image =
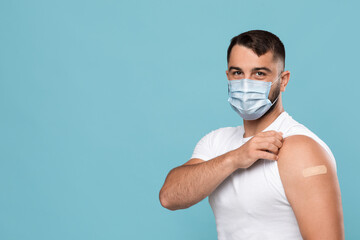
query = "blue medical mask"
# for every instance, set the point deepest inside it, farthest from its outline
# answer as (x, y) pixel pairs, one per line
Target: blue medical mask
(249, 98)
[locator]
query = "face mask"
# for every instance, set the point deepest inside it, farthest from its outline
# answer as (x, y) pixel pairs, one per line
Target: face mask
(249, 98)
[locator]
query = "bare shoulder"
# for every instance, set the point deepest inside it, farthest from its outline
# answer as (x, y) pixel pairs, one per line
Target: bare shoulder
(299, 155)
(311, 187)
(304, 149)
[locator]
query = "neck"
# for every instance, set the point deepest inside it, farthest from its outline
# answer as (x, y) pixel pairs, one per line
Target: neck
(253, 127)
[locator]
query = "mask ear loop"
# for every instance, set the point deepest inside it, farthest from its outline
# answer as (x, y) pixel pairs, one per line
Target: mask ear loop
(277, 78)
(275, 99)
(272, 84)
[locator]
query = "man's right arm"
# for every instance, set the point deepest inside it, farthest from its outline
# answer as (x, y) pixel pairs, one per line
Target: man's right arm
(191, 182)
(188, 184)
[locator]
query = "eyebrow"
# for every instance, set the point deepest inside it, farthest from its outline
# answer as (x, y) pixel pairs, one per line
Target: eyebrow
(253, 70)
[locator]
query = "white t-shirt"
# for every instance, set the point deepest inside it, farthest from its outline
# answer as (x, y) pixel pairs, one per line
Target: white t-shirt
(251, 203)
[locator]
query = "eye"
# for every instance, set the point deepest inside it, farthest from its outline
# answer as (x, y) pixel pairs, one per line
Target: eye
(237, 72)
(260, 74)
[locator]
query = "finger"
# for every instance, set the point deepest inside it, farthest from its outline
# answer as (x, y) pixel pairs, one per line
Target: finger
(279, 136)
(268, 133)
(271, 133)
(268, 146)
(274, 140)
(267, 155)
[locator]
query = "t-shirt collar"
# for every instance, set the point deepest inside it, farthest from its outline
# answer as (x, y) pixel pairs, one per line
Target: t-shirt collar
(273, 126)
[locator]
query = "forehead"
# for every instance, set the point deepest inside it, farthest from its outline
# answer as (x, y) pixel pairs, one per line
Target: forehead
(244, 58)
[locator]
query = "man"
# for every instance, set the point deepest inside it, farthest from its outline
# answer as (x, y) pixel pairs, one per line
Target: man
(271, 178)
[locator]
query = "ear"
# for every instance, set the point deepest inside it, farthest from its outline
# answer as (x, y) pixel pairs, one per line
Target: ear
(227, 74)
(285, 77)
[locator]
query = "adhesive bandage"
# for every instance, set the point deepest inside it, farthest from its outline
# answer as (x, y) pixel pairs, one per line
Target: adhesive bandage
(311, 171)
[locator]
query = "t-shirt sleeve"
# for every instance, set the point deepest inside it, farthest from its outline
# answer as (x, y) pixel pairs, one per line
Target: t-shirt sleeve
(203, 149)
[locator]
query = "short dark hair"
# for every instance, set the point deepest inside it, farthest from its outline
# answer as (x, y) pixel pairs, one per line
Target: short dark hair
(260, 41)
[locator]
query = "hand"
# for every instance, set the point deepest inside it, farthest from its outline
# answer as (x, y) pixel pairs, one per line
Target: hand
(264, 145)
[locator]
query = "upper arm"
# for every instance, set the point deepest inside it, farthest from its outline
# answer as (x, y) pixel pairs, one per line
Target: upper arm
(315, 200)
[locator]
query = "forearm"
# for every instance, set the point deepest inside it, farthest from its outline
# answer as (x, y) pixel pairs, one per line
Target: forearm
(188, 184)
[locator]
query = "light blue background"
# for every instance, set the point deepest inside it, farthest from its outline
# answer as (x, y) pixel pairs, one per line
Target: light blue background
(99, 100)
